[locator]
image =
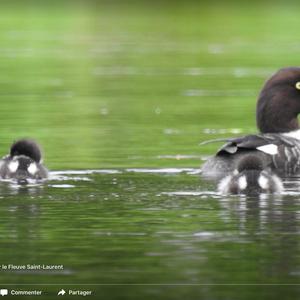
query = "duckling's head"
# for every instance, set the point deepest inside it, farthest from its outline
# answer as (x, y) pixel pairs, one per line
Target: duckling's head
(26, 147)
(24, 162)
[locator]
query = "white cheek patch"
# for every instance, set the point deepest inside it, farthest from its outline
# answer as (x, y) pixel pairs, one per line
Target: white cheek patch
(269, 149)
(13, 166)
(242, 182)
(263, 182)
(278, 184)
(32, 168)
(224, 184)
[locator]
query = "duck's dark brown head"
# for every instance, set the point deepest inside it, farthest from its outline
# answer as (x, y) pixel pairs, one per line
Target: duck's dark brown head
(279, 102)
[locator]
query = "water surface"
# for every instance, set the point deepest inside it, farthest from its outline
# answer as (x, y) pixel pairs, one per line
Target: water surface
(146, 231)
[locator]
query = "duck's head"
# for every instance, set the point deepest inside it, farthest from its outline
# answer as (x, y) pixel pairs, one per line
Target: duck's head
(26, 147)
(279, 102)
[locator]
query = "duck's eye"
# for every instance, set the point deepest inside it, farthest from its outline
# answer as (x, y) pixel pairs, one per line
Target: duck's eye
(297, 85)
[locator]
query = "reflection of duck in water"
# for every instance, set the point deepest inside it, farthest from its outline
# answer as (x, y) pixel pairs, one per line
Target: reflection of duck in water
(250, 178)
(23, 162)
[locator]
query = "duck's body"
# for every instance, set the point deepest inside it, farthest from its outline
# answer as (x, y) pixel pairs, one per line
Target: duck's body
(279, 152)
(278, 144)
(24, 162)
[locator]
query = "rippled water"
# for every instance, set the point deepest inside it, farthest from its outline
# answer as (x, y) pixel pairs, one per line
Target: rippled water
(149, 231)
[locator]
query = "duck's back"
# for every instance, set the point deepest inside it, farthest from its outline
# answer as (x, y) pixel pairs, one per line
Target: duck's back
(278, 152)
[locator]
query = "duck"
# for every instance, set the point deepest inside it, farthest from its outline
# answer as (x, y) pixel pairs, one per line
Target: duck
(24, 162)
(277, 144)
(250, 178)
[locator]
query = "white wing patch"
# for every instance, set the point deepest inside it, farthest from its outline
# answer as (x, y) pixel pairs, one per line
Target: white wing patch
(13, 166)
(271, 149)
(32, 168)
(293, 134)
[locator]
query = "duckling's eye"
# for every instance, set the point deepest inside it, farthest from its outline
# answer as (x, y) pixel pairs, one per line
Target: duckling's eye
(297, 85)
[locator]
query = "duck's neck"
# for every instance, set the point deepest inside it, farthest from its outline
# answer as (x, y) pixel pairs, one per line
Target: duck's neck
(273, 125)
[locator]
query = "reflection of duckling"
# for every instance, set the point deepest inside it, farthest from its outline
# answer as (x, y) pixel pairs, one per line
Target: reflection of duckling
(250, 178)
(23, 162)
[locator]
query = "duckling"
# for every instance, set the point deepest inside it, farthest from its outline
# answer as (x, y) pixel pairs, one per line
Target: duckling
(251, 178)
(23, 162)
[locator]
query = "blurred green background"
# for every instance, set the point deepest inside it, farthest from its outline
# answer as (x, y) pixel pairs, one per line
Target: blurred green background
(104, 84)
